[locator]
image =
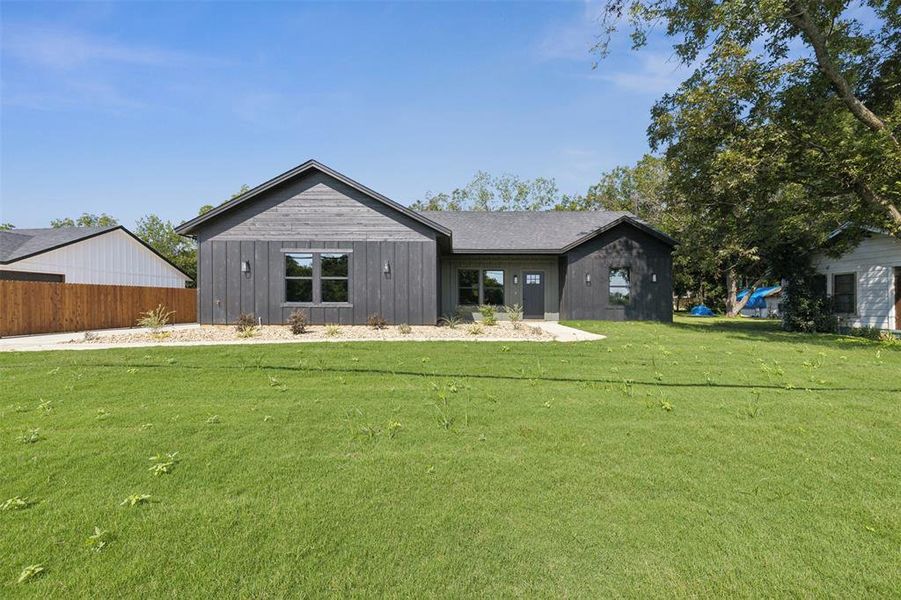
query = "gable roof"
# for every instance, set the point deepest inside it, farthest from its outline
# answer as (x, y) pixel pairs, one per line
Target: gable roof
(533, 232)
(190, 227)
(19, 244)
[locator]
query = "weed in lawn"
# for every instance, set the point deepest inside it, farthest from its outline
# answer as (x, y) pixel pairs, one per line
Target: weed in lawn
(393, 428)
(98, 540)
(32, 436)
(15, 503)
(135, 499)
(102, 414)
(30, 572)
(45, 406)
(163, 464)
(213, 420)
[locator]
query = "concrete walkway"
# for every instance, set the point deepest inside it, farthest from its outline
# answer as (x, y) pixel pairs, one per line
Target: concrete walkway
(75, 340)
(562, 333)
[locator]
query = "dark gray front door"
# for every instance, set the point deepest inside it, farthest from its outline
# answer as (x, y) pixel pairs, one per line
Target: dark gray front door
(533, 295)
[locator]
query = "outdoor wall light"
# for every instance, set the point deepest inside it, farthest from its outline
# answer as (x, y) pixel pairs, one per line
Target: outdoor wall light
(587, 278)
(245, 268)
(515, 279)
(653, 277)
(387, 269)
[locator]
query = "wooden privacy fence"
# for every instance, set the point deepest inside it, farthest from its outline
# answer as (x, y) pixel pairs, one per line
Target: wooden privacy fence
(40, 307)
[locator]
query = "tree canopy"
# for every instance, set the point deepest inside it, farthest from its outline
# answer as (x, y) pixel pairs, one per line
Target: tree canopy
(85, 220)
(494, 193)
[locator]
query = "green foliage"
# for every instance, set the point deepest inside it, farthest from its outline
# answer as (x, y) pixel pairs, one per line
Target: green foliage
(85, 220)
(514, 313)
(160, 235)
(298, 321)
(476, 329)
(98, 540)
(376, 321)
(332, 330)
(163, 464)
(7, 226)
(156, 318)
(404, 329)
(32, 436)
(451, 321)
(489, 315)
(15, 503)
(804, 309)
(489, 193)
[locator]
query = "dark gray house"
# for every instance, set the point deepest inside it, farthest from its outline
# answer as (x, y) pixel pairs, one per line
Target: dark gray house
(314, 239)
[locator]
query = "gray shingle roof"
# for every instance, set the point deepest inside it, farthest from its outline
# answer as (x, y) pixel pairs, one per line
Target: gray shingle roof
(20, 243)
(527, 231)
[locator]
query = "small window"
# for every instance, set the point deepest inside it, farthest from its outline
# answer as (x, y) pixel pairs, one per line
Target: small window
(333, 277)
(298, 277)
(493, 287)
(619, 286)
(467, 287)
(843, 293)
(533, 279)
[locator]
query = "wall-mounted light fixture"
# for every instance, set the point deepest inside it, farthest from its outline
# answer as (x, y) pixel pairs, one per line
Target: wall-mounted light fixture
(653, 277)
(245, 268)
(587, 278)
(387, 269)
(515, 279)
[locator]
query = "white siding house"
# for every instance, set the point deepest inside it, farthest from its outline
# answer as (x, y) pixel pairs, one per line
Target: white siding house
(864, 282)
(110, 256)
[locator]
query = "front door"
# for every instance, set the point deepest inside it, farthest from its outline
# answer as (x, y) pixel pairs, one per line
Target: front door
(897, 297)
(533, 295)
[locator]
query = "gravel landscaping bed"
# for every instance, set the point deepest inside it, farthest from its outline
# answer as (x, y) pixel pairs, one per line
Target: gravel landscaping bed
(502, 331)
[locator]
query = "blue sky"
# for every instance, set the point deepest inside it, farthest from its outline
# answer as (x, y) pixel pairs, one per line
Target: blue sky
(162, 107)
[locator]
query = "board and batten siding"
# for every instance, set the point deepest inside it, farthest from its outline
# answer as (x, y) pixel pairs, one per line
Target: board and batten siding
(317, 212)
(873, 262)
(622, 246)
(112, 258)
(511, 265)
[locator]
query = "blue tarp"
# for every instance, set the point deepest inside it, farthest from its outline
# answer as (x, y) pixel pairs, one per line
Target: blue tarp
(701, 311)
(758, 298)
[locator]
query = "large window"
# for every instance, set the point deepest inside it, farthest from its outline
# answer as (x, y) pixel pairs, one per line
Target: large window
(317, 277)
(843, 293)
(298, 277)
(493, 287)
(619, 286)
(467, 287)
(333, 278)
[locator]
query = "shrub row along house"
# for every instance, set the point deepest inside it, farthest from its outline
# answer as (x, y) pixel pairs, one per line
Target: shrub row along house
(314, 239)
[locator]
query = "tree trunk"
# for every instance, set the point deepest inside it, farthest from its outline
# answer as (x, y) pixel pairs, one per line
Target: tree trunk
(800, 18)
(733, 304)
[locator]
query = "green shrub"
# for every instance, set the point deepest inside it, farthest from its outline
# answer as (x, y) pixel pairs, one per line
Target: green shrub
(298, 321)
(156, 318)
(476, 329)
(332, 330)
(488, 314)
(450, 321)
(404, 329)
(514, 313)
(805, 310)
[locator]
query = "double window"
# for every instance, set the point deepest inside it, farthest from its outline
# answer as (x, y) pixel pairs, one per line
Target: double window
(844, 292)
(317, 277)
(619, 286)
(476, 287)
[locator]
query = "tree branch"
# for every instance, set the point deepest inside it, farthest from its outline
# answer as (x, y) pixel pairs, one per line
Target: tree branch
(800, 18)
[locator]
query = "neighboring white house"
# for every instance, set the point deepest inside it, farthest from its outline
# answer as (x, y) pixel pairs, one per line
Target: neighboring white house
(764, 302)
(101, 255)
(865, 283)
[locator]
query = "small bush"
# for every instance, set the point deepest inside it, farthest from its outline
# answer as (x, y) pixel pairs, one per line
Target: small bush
(156, 318)
(404, 329)
(298, 322)
(376, 321)
(489, 316)
(871, 333)
(515, 314)
(450, 321)
(476, 329)
(332, 330)
(246, 325)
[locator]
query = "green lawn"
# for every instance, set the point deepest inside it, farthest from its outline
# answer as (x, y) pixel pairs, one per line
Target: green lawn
(701, 458)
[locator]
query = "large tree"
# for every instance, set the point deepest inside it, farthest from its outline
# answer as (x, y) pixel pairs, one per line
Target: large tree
(487, 192)
(160, 235)
(787, 126)
(85, 220)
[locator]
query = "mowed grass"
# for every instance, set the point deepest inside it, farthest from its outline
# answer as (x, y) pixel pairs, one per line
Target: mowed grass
(705, 458)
